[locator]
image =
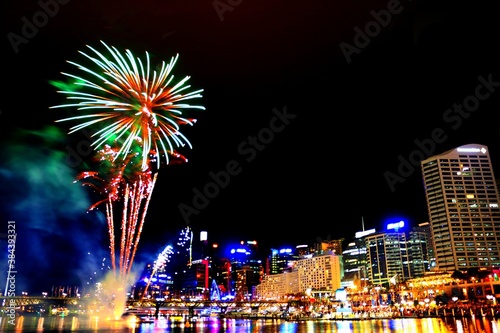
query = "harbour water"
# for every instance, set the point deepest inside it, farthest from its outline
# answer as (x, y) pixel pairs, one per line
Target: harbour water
(28, 324)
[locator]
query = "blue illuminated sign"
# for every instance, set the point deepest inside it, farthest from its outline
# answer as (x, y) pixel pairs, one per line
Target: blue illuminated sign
(396, 225)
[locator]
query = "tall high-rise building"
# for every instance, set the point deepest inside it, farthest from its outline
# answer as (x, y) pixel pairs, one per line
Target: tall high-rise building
(354, 259)
(462, 201)
(247, 269)
(418, 252)
(426, 227)
(282, 260)
(387, 257)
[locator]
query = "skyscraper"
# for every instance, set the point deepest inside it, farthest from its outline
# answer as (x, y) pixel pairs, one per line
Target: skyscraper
(282, 260)
(387, 257)
(354, 259)
(418, 252)
(462, 201)
(426, 228)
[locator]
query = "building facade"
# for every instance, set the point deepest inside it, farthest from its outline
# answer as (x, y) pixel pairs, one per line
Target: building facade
(281, 260)
(418, 252)
(431, 247)
(313, 274)
(355, 261)
(278, 286)
(387, 257)
(462, 200)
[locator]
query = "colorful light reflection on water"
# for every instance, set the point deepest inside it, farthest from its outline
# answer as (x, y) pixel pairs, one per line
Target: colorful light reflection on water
(28, 324)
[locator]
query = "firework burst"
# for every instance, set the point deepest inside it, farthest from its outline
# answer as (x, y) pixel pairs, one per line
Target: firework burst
(130, 102)
(135, 113)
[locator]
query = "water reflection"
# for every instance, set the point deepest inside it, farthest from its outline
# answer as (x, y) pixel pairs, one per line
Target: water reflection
(28, 324)
(472, 325)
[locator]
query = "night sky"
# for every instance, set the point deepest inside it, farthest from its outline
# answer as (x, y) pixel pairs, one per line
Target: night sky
(337, 93)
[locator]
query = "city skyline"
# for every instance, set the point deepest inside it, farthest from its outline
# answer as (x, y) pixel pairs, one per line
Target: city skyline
(310, 121)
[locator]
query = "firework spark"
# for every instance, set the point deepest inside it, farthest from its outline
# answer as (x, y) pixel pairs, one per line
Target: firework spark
(161, 261)
(134, 113)
(186, 237)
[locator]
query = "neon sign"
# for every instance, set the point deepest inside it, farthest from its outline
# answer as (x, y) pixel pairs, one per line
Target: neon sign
(396, 225)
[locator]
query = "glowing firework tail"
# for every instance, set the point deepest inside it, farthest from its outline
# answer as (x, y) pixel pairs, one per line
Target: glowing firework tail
(160, 262)
(187, 237)
(134, 112)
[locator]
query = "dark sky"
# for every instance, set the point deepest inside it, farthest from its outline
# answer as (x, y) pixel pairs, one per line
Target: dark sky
(357, 103)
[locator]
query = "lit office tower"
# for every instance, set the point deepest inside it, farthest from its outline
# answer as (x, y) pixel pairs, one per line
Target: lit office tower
(387, 257)
(282, 260)
(354, 258)
(462, 201)
(418, 252)
(426, 227)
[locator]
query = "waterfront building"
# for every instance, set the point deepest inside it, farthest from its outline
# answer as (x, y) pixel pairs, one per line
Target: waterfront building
(387, 257)
(418, 252)
(396, 255)
(247, 269)
(282, 260)
(431, 247)
(315, 274)
(329, 245)
(221, 275)
(304, 250)
(354, 260)
(153, 282)
(462, 200)
(334, 246)
(320, 272)
(277, 286)
(194, 281)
